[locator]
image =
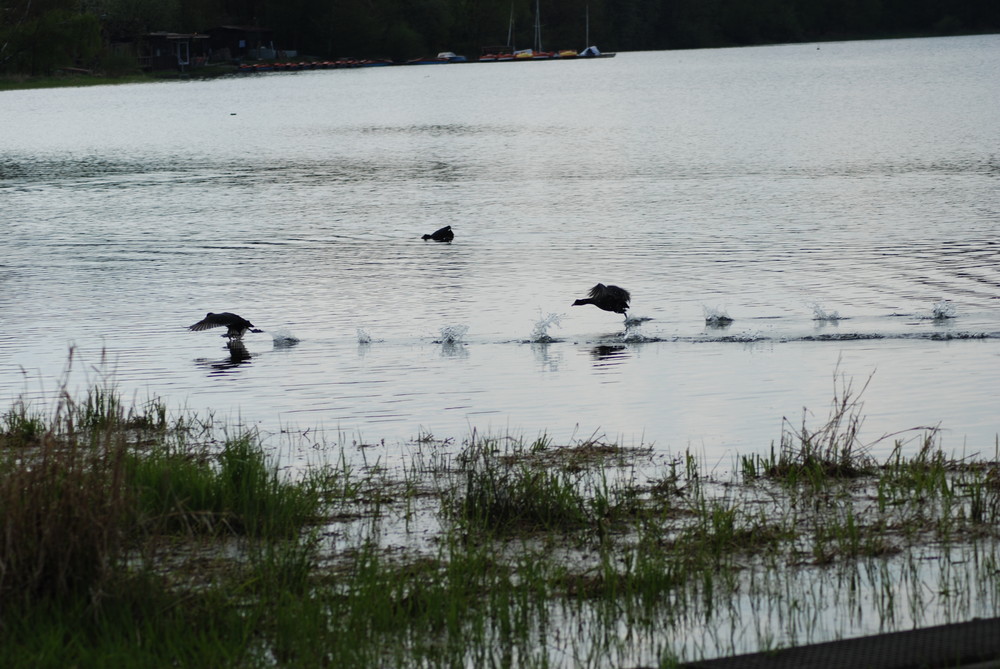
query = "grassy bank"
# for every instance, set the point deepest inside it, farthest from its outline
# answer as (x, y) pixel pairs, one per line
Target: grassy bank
(73, 79)
(131, 536)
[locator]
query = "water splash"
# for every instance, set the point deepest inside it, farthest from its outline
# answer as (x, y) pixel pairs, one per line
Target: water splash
(633, 336)
(821, 314)
(452, 334)
(745, 338)
(942, 310)
(364, 337)
(636, 320)
(632, 333)
(283, 338)
(716, 317)
(540, 334)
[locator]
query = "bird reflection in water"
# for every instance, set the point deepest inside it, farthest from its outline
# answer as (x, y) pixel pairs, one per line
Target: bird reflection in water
(238, 355)
(452, 344)
(605, 355)
(549, 358)
(454, 349)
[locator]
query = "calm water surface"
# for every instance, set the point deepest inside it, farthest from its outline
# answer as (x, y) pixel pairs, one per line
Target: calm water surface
(771, 184)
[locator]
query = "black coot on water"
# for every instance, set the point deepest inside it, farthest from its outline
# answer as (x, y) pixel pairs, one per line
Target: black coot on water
(443, 235)
(609, 298)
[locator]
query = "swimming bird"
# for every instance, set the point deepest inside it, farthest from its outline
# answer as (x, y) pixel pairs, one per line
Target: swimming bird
(237, 325)
(609, 298)
(443, 235)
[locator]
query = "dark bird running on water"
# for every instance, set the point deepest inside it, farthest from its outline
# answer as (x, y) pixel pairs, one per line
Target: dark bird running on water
(609, 298)
(237, 325)
(443, 235)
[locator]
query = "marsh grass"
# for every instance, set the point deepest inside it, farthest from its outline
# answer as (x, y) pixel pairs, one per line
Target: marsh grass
(62, 506)
(129, 537)
(512, 487)
(235, 491)
(80, 491)
(505, 494)
(20, 426)
(833, 450)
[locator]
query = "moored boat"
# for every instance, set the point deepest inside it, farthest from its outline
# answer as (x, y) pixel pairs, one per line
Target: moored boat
(496, 54)
(442, 58)
(594, 52)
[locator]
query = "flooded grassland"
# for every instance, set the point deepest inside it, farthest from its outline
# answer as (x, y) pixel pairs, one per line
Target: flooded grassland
(125, 528)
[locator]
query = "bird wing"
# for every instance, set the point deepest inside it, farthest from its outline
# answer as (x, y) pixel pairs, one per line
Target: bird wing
(208, 322)
(618, 293)
(597, 291)
(211, 320)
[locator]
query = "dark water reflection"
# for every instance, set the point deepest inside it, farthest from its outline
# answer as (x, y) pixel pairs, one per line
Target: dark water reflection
(607, 356)
(238, 355)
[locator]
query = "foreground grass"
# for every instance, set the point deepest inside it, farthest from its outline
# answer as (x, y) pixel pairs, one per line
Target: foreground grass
(130, 537)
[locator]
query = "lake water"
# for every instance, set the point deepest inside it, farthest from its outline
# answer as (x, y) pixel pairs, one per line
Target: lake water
(771, 184)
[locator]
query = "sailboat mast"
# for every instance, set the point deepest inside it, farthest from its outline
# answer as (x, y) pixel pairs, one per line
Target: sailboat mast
(510, 27)
(538, 29)
(586, 41)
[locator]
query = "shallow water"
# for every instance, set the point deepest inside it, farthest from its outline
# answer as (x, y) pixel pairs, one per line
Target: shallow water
(771, 184)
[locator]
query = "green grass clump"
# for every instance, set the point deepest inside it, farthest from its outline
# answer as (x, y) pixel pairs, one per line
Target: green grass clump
(139, 623)
(20, 426)
(103, 409)
(236, 491)
(503, 496)
(521, 489)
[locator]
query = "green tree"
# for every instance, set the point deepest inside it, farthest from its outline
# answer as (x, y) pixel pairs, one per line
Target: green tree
(45, 36)
(403, 42)
(130, 18)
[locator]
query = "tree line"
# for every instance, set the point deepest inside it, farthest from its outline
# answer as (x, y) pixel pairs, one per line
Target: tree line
(37, 36)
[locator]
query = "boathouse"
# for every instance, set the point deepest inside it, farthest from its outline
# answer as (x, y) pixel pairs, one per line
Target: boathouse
(168, 51)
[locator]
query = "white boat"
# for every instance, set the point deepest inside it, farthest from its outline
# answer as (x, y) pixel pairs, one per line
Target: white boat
(442, 57)
(594, 52)
(591, 51)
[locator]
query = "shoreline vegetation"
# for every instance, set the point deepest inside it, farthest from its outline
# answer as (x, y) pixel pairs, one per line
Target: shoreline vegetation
(71, 78)
(76, 77)
(130, 535)
(119, 37)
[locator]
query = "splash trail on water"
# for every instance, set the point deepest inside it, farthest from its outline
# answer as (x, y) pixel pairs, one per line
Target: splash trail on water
(283, 338)
(821, 314)
(943, 310)
(452, 334)
(540, 333)
(716, 317)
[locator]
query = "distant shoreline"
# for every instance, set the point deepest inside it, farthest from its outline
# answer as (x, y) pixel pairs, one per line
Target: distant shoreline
(77, 79)
(72, 77)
